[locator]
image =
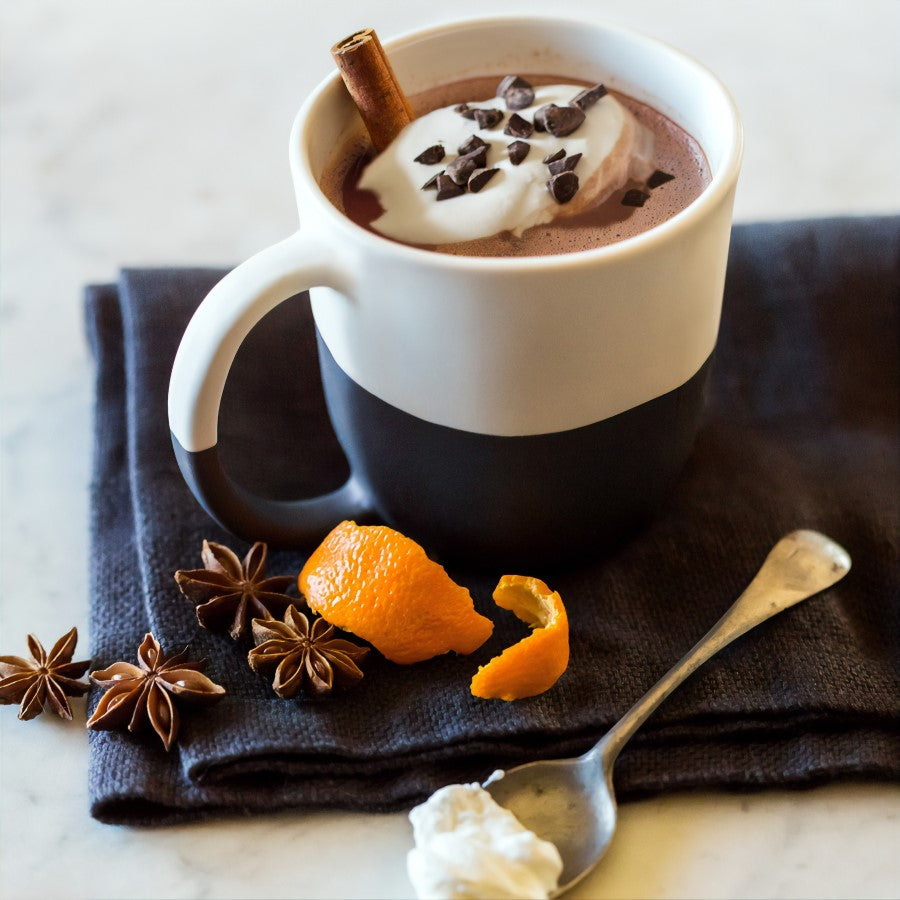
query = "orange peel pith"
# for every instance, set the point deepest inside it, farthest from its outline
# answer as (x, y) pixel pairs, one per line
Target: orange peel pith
(380, 585)
(535, 663)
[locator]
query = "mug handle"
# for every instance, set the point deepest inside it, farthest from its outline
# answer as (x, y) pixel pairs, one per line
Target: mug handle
(204, 358)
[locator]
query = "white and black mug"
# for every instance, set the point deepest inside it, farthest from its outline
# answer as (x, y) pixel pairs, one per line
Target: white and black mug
(497, 408)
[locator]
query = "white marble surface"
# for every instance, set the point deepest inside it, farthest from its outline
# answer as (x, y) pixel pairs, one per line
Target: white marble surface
(156, 133)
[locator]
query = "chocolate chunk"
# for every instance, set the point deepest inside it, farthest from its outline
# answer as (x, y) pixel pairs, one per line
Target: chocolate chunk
(540, 117)
(478, 156)
(657, 178)
(463, 166)
(566, 164)
(488, 118)
(464, 111)
(479, 178)
(432, 182)
(558, 120)
(563, 187)
(518, 127)
(588, 97)
(516, 92)
(519, 98)
(432, 155)
(512, 81)
(553, 157)
(447, 188)
(472, 142)
(635, 197)
(517, 151)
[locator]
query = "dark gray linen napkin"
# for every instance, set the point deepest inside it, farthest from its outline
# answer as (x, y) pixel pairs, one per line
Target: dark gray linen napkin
(801, 431)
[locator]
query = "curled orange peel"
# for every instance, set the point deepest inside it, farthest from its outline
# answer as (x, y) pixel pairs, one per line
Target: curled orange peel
(379, 584)
(534, 664)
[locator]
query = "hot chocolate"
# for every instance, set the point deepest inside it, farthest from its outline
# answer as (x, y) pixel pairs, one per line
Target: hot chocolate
(663, 171)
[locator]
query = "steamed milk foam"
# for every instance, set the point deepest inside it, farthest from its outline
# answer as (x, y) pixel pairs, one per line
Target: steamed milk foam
(621, 142)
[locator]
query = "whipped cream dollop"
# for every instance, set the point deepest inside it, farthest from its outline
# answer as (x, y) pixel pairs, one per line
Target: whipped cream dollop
(468, 847)
(613, 145)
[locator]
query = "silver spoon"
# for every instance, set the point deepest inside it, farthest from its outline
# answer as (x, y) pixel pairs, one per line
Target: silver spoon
(571, 801)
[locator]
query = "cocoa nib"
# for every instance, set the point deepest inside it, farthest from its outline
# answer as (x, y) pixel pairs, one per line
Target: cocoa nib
(588, 97)
(558, 120)
(511, 81)
(461, 168)
(519, 98)
(566, 164)
(657, 178)
(635, 197)
(430, 156)
(479, 154)
(516, 92)
(432, 182)
(488, 118)
(447, 188)
(517, 151)
(479, 178)
(472, 142)
(563, 187)
(518, 127)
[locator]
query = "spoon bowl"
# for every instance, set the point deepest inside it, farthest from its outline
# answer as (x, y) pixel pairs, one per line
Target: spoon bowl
(561, 802)
(571, 802)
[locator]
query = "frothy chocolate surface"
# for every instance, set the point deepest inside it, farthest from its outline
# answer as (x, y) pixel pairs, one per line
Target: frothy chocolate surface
(676, 153)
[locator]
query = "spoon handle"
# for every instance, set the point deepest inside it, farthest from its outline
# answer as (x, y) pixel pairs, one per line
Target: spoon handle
(799, 565)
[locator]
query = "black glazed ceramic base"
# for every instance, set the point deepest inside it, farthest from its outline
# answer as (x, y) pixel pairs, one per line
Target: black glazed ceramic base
(544, 498)
(547, 498)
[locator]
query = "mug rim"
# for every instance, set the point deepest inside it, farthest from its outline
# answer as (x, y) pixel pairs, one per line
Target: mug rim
(719, 187)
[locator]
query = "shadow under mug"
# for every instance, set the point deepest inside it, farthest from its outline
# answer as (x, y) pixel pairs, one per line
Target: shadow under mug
(494, 409)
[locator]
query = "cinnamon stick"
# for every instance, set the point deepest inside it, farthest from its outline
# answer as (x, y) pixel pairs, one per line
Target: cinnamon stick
(370, 79)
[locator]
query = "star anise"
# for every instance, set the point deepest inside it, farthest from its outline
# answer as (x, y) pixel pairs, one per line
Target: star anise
(303, 654)
(144, 692)
(50, 677)
(231, 592)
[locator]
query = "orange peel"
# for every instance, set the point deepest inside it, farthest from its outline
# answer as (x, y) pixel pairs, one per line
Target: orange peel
(379, 584)
(534, 664)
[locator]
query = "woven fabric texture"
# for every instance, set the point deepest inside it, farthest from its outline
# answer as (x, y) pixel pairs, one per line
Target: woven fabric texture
(801, 431)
